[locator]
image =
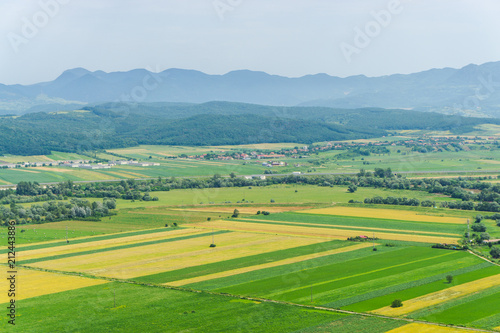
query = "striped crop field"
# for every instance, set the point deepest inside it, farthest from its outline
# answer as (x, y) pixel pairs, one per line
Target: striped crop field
(326, 232)
(103, 244)
(440, 296)
(337, 279)
(163, 256)
(32, 283)
(247, 269)
(392, 214)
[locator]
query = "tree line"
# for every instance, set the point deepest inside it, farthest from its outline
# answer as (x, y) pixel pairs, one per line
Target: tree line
(51, 211)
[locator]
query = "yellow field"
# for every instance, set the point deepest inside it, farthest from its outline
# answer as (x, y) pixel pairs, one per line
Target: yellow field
(31, 283)
(426, 328)
(392, 214)
(315, 232)
(72, 248)
(440, 296)
(4, 182)
(151, 259)
(268, 265)
(360, 228)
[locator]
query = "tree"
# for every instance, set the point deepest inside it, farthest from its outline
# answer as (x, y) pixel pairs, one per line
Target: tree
(495, 252)
(478, 227)
(484, 236)
(352, 188)
(397, 303)
(236, 213)
(449, 278)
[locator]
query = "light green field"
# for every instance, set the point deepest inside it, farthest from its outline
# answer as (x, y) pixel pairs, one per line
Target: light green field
(281, 194)
(121, 307)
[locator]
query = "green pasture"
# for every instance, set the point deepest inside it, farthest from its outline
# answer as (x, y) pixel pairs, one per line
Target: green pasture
(291, 272)
(281, 194)
(412, 290)
(338, 280)
(466, 310)
(123, 307)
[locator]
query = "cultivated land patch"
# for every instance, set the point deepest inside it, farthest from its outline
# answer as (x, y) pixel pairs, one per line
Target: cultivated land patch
(268, 265)
(440, 296)
(32, 283)
(317, 232)
(103, 244)
(366, 229)
(385, 213)
(246, 210)
(465, 270)
(426, 328)
(341, 275)
(156, 258)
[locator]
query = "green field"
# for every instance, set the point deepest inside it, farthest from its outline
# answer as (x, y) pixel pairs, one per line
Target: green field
(166, 278)
(146, 309)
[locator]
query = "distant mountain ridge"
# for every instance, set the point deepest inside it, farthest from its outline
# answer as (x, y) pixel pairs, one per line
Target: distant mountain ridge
(473, 90)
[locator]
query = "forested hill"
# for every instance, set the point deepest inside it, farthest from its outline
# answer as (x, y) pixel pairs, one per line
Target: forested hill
(40, 133)
(217, 123)
(374, 118)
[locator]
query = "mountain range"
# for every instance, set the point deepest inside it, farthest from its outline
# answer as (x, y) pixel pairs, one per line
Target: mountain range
(473, 90)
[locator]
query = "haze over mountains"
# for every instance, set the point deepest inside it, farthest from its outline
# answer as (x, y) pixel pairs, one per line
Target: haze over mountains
(473, 90)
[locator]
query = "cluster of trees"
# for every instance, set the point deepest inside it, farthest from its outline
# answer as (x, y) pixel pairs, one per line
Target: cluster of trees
(130, 190)
(463, 205)
(51, 211)
(398, 201)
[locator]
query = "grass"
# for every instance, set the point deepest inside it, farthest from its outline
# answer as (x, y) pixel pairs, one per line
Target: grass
(362, 281)
(469, 312)
(355, 324)
(147, 309)
(438, 297)
(412, 290)
(470, 309)
(329, 277)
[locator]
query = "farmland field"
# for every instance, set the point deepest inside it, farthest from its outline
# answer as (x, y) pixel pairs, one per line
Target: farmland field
(288, 270)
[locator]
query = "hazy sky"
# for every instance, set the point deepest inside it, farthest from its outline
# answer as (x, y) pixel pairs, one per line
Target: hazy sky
(39, 39)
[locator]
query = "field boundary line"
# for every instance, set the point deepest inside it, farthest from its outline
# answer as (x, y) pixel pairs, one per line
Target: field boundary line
(257, 299)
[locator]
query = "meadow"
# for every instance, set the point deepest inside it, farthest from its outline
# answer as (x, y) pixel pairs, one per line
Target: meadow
(151, 268)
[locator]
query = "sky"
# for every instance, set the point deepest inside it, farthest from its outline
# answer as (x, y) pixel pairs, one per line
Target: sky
(39, 39)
